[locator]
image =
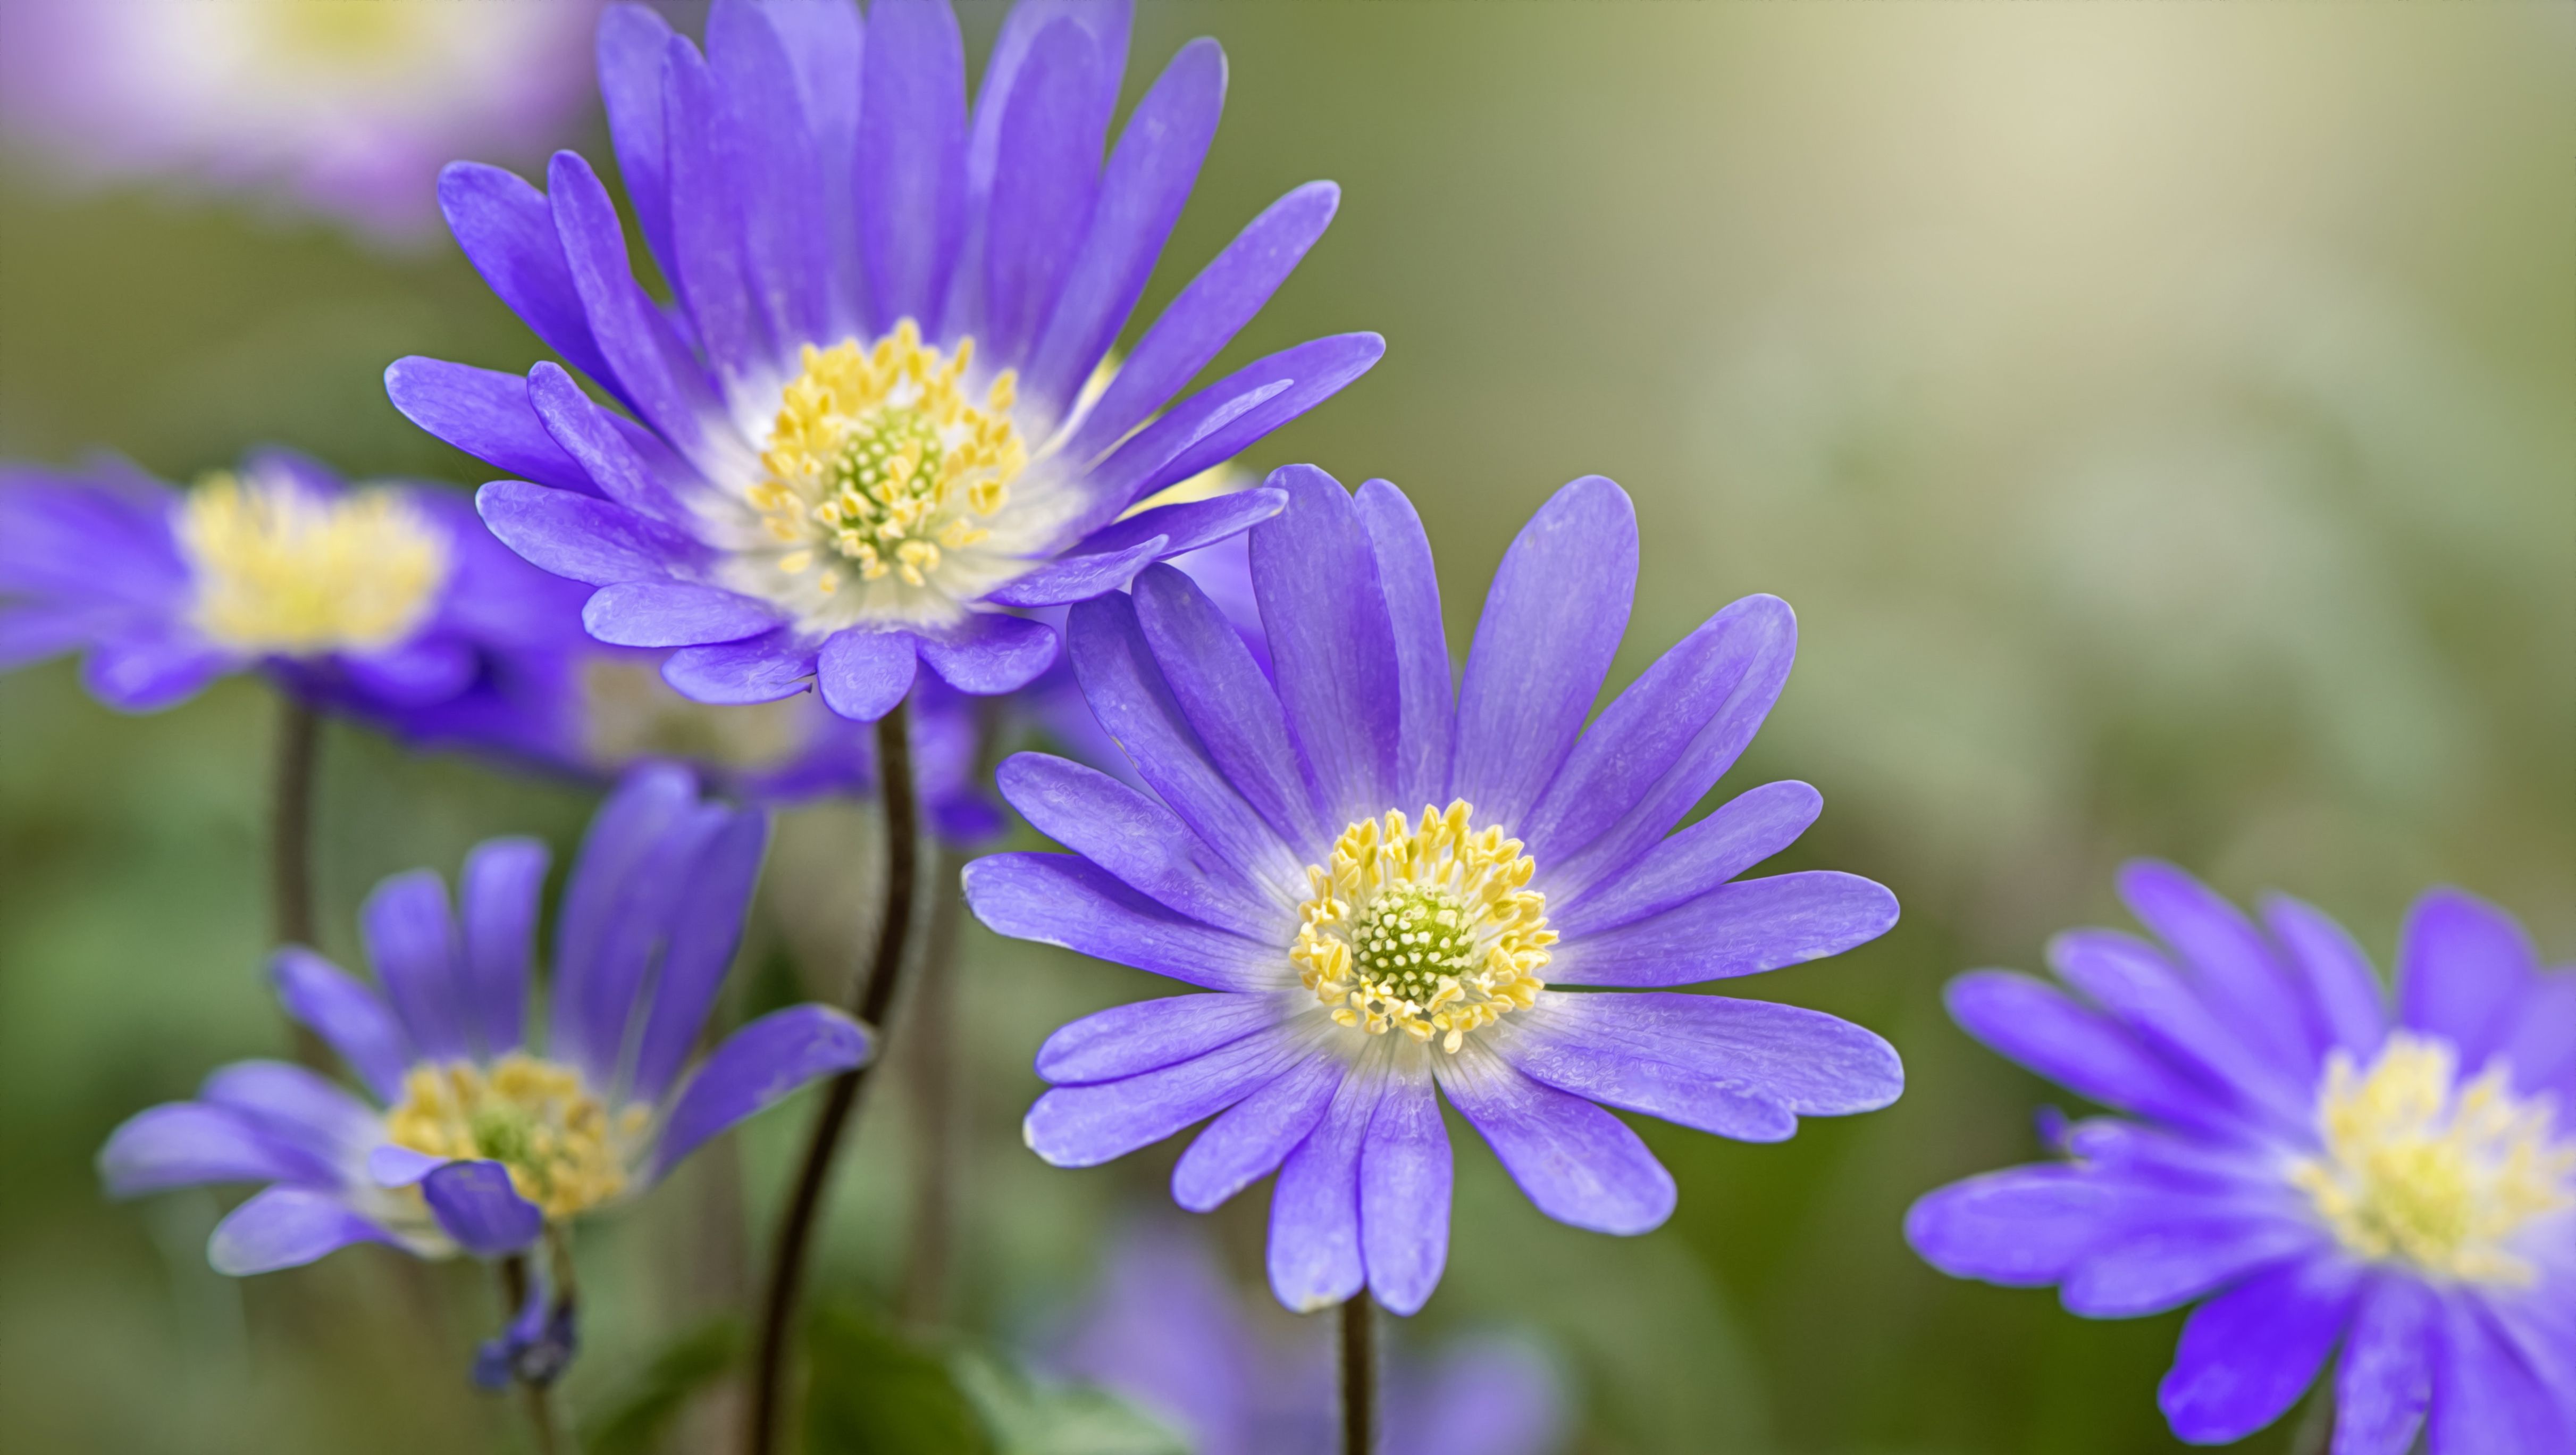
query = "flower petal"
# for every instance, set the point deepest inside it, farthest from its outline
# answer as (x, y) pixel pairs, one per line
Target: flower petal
(2463, 968)
(2385, 1379)
(1743, 832)
(655, 373)
(1143, 1035)
(579, 536)
(500, 887)
(293, 1104)
(485, 413)
(2145, 992)
(1807, 1061)
(287, 1227)
(1404, 1188)
(1314, 1255)
(2349, 1002)
(1139, 841)
(991, 653)
(1427, 684)
(1084, 1126)
(2022, 1227)
(618, 459)
(347, 1015)
(863, 673)
(1232, 707)
(778, 171)
(755, 669)
(2247, 1355)
(1057, 899)
(1742, 928)
(1249, 1139)
(673, 614)
(911, 158)
(2487, 1399)
(2232, 967)
(2175, 1254)
(1578, 1163)
(1046, 175)
(188, 1143)
(706, 920)
(1189, 525)
(1332, 643)
(411, 942)
(476, 1205)
(1227, 417)
(2039, 1026)
(507, 232)
(632, 42)
(757, 1067)
(151, 669)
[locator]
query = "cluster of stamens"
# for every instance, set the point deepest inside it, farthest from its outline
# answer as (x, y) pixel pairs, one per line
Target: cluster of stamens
(279, 570)
(1426, 927)
(532, 1116)
(2435, 1176)
(879, 463)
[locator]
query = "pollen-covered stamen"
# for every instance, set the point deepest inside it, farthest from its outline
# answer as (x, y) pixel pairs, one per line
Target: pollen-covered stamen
(879, 462)
(282, 571)
(2423, 1172)
(1430, 927)
(564, 1151)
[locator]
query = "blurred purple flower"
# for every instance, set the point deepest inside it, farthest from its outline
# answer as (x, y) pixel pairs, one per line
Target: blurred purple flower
(1276, 863)
(1167, 1332)
(2320, 1166)
(873, 428)
(482, 1134)
(373, 600)
(347, 106)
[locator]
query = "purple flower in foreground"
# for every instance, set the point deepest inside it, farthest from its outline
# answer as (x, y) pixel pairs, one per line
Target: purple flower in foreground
(373, 599)
(2324, 1168)
(1365, 943)
(485, 1133)
(350, 107)
(1167, 1332)
(875, 425)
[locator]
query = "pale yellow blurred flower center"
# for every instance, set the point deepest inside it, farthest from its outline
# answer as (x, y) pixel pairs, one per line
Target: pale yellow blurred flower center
(532, 1116)
(880, 464)
(343, 31)
(2429, 1175)
(280, 571)
(1426, 927)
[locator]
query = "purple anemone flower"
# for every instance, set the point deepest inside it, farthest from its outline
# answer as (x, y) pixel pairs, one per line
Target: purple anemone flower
(371, 599)
(480, 1133)
(348, 108)
(2323, 1167)
(1167, 1332)
(875, 425)
(1391, 884)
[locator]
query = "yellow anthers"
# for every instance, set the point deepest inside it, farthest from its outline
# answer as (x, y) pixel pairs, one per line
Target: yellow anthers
(2423, 1172)
(1427, 927)
(531, 1116)
(879, 462)
(281, 571)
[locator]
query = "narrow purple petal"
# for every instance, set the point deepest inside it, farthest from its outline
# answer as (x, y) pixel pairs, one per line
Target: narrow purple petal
(991, 653)
(2349, 1002)
(2247, 1355)
(654, 371)
(1206, 315)
(2542, 1047)
(632, 40)
(486, 414)
(825, 42)
(757, 1067)
(499, 889)
(292, 1103)
(151, 670)
(287, 1227)
(2385, 1378)
(1315, 1258)
(2233, 968)
(1232, 707)
(1190, 524)
(1139, 841)
(623, 838)
(344, 1013)
(2039, 1026)
(603, 1002)
(617, 458)
(864, 673)
(1807, 1061)
(1231, 415)
(1332, 644)
(708, 172)
(1084, 1126)
(1427, 684)
(389, 1165)
(1248, 1140)
(1404, 1189)
(673, 614)
(1045, 177)
(778, 171)
(411, 941)
(1683, 1095)
(911, 158)
(1577, 1163)
(580, 537)
(1742, 928)
(1069, 579)
(1552, 621)
(755, 669)
(2177, 1254)
(705, 927)
(2463, 970)
(476, 1205)
(508, 233)
(1144, 1035)
(1742, 833)
(2022, 1227)
(1057, 899)
(2145, 992)
(188, 1144)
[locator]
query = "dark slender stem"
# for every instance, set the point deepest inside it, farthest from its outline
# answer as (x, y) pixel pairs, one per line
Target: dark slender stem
(535, 1398)
(930, 1040)
(1359, 1375)
(870, 997)
(290, 845)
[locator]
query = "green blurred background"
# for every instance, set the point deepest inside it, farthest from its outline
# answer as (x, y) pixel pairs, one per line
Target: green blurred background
(2159, 415)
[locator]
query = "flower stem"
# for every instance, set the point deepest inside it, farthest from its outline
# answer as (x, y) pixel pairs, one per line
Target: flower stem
(1359, 1375)
(534, 1397)
(930, 1041)
(870, 997)
(290, 846)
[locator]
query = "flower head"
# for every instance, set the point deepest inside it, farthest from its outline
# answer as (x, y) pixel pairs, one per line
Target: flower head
(481, 1134)
(1393, 884)
(2322, 1167)
(347, 106)
(375, 599)
(878, 420)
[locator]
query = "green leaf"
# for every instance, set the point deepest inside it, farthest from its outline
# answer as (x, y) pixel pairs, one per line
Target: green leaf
(636, 1422)
(870, 1393)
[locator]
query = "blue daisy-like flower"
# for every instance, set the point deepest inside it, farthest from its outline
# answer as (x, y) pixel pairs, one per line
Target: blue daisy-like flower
(2324, 1168)
(481, 1134)
(875, 424)
(1392, 883)
(372, 599)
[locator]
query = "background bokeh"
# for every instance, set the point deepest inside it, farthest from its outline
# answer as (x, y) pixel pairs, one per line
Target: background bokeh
(2160, 417)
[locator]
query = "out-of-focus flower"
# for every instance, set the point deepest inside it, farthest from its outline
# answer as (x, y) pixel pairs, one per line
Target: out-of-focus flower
(2324, 1168)
(370, 599)
(347, 106)
(481, 1134)
(861, 440)
(1167, 1331)
(1366, 944)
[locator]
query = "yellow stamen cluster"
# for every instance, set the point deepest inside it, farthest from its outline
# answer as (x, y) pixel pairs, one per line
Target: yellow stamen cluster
(2420, 1172)
(880, 463)
(280, 571)
(1430, 927)
(531, 1116)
